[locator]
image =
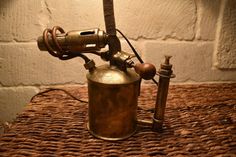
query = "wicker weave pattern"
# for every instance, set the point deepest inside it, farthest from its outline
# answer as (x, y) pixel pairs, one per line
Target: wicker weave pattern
(200, 121)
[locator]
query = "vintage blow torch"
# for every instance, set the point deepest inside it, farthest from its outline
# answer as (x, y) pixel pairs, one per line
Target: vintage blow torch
(113, 88)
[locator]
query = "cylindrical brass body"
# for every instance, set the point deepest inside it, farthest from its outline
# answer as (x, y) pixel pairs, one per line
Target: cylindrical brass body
(165, 73)
(113, 97)
(162, 93)
(77, 41)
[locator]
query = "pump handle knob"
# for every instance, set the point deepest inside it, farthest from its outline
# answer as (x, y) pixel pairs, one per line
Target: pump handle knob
(146, 70)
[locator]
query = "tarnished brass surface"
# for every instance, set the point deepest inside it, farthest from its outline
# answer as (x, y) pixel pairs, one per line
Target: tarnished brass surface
(165, 73)
(161, 103)
(111, 75)
(113, 96)
(77, 41)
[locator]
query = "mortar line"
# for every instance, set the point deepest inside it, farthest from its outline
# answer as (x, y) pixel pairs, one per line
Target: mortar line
(17, 42)
(198, 20)
(41, 85)
(13, 42)
(215, 62)
(170, 41)
(85, 84)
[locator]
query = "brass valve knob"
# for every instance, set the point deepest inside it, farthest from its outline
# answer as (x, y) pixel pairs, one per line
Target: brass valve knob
(146, 70)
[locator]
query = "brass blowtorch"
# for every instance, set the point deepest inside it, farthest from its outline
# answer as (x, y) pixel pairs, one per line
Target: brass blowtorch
(113, 88)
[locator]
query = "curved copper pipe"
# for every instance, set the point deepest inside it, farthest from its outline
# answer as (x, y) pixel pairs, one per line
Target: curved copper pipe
(47, 45)
(54, 39)
(60, 53)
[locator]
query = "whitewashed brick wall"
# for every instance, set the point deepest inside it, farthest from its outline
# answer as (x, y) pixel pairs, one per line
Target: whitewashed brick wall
(199, 34)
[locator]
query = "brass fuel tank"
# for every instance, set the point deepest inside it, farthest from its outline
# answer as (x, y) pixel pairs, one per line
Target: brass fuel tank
(113, 96)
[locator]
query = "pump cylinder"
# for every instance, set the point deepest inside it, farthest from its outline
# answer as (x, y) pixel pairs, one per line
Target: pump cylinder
(165, 74)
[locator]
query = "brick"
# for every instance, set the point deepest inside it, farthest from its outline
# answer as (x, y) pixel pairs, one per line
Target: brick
(76, 15)
(226, 48)
(191, 61)
(24, 64)
(208, 15)
(19, 20)
(138, 45)
(13, 100)
(157, 18)
(140, 18)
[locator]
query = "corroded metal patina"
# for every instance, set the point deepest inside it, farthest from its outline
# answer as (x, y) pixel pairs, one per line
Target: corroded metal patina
(113, 88)
(165, 73)
(113, 96)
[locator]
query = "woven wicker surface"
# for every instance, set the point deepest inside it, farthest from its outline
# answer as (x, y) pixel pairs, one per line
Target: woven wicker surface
(200, 121)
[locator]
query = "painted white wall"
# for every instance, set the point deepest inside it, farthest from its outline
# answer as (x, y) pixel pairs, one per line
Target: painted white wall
(199, 34)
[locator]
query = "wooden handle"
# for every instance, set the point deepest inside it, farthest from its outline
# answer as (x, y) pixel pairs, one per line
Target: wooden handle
(146, 70)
